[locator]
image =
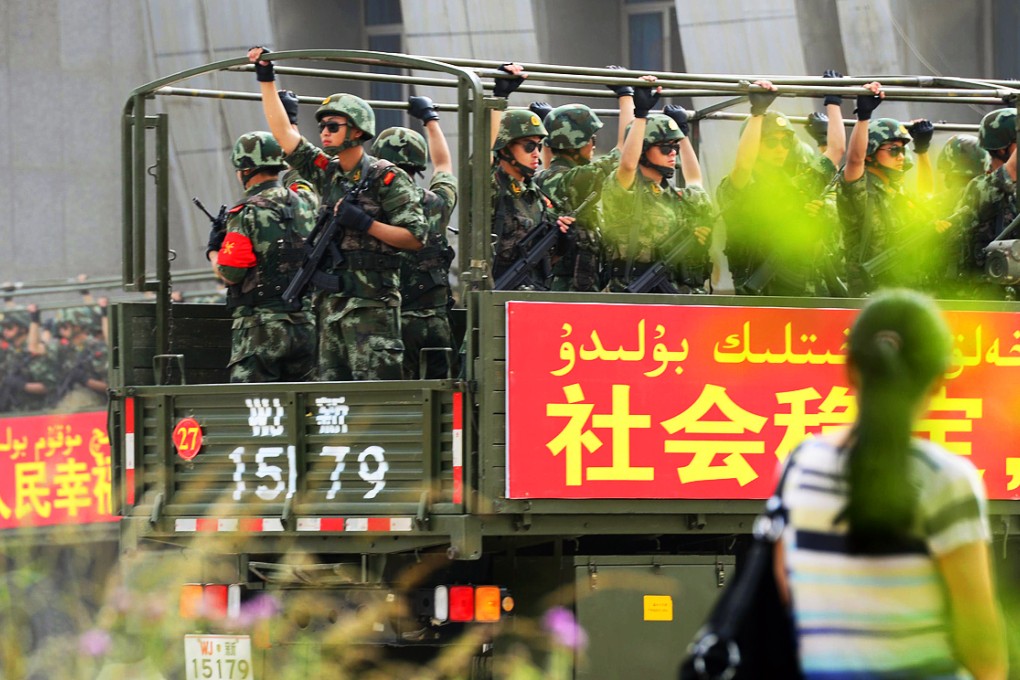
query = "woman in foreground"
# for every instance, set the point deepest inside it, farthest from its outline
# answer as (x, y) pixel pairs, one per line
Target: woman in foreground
(884, 560)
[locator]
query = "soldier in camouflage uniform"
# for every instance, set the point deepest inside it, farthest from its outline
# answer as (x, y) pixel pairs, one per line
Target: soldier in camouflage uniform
(780, 216)
(82, 361)
(642, 210)
(876, 213)
(987, 206)
(359, 316)
(27, 378)
(425, 274)
(271, 340)
(571, 177)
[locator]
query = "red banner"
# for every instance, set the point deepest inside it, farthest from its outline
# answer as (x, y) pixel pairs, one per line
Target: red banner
(664, 401)
(54, 470)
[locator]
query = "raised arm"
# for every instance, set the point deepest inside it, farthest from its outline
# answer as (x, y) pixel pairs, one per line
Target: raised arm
(921, 130)
(689, 164)
(857, 149)
(272, 107)
(835, 137)
(644, 99)
(747, 148)
(502, 88)
(425, 110)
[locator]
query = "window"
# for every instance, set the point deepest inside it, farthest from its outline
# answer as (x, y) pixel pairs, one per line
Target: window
(651, 38)
(384, 28)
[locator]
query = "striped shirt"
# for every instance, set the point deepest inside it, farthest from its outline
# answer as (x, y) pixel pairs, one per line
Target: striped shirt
(883, 614)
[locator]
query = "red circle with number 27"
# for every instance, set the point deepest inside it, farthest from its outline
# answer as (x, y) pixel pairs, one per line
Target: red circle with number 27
(187, 438)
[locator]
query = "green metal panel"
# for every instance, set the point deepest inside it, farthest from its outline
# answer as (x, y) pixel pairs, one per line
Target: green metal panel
(625, 640)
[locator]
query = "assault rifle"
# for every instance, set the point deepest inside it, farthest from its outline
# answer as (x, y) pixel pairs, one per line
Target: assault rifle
(322, 239)
(893, 255)
(534, 246)
(325, 238)
(656, 279)
(219, 223)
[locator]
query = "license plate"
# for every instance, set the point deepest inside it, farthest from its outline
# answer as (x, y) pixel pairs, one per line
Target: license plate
(218, 657)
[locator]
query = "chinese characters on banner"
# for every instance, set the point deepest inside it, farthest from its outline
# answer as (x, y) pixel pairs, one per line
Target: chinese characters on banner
(663, 401)
(54, 470)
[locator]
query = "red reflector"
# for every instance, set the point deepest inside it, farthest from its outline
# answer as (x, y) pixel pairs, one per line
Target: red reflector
(215, 601)
(191, 600)
(462, 603)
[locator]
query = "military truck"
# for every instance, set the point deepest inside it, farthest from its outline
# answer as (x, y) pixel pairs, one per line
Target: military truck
(602, 456)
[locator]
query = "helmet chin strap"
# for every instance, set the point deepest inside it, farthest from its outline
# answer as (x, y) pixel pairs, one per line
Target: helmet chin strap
(525, 170)
(664, 170)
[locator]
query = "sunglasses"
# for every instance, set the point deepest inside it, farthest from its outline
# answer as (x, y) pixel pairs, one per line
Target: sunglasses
(331, 125)
(529, 146)
(775, 141)
(894, 151)
(667, 149)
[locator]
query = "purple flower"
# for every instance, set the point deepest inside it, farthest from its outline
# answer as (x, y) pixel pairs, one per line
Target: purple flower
(565, 630)
(95, 642)
(257, 609)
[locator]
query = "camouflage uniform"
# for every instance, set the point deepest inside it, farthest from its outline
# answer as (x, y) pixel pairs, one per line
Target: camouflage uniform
(987, 206)
(272, 341)
(18, 367)
(359, 323)
(424, 274)
(568, 181)
(518, 206)
(79, 361)
(768, 227)
(637, 221)
(877, 216)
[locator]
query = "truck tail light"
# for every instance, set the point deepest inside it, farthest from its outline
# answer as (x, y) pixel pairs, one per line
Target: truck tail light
(210, 600)
(487, 604)
(462, 603)
(441, 604)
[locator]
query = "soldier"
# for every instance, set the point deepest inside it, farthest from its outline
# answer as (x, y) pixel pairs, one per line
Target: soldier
(643, 212)
(518, 205)
(27, 378)
(571, 177)
(878, 217)
(359, 318)
(987, 205)
(425, 274)
(82, 361)
(780, 221)
(264, 244)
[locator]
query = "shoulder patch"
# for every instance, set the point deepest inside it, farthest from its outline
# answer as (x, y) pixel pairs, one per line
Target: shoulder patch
(388, 178)
(237, 208)
(321, 161)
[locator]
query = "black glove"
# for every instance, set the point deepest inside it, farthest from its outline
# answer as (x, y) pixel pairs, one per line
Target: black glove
(680, 117)
(922, 131)
(216, 236)
(620, 90)
(35, 316)
(644, 99)
(540, 109)
(832, 98)
(422, 108)
(818, 127)
(290, 104)
(351, 215)
(866, 104)
(504, 86)
(264, 73)
(761, 100)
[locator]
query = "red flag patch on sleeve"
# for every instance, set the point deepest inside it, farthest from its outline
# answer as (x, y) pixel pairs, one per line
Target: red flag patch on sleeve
(388, 177)
(237, 251)
(322, 160)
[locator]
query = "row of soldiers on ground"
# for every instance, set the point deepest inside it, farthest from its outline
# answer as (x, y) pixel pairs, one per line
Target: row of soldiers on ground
(797, 223)
(57, 364)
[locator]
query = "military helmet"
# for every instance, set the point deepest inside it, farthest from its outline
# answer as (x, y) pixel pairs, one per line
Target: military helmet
(15, 317)
(254, 150)
(882, 130)
(571, 126)
(355, 109)
(774, 122)
(515, 124)
(402, 146)
(963, 155)
(998, 129)
(82, 317)
(661, 129)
